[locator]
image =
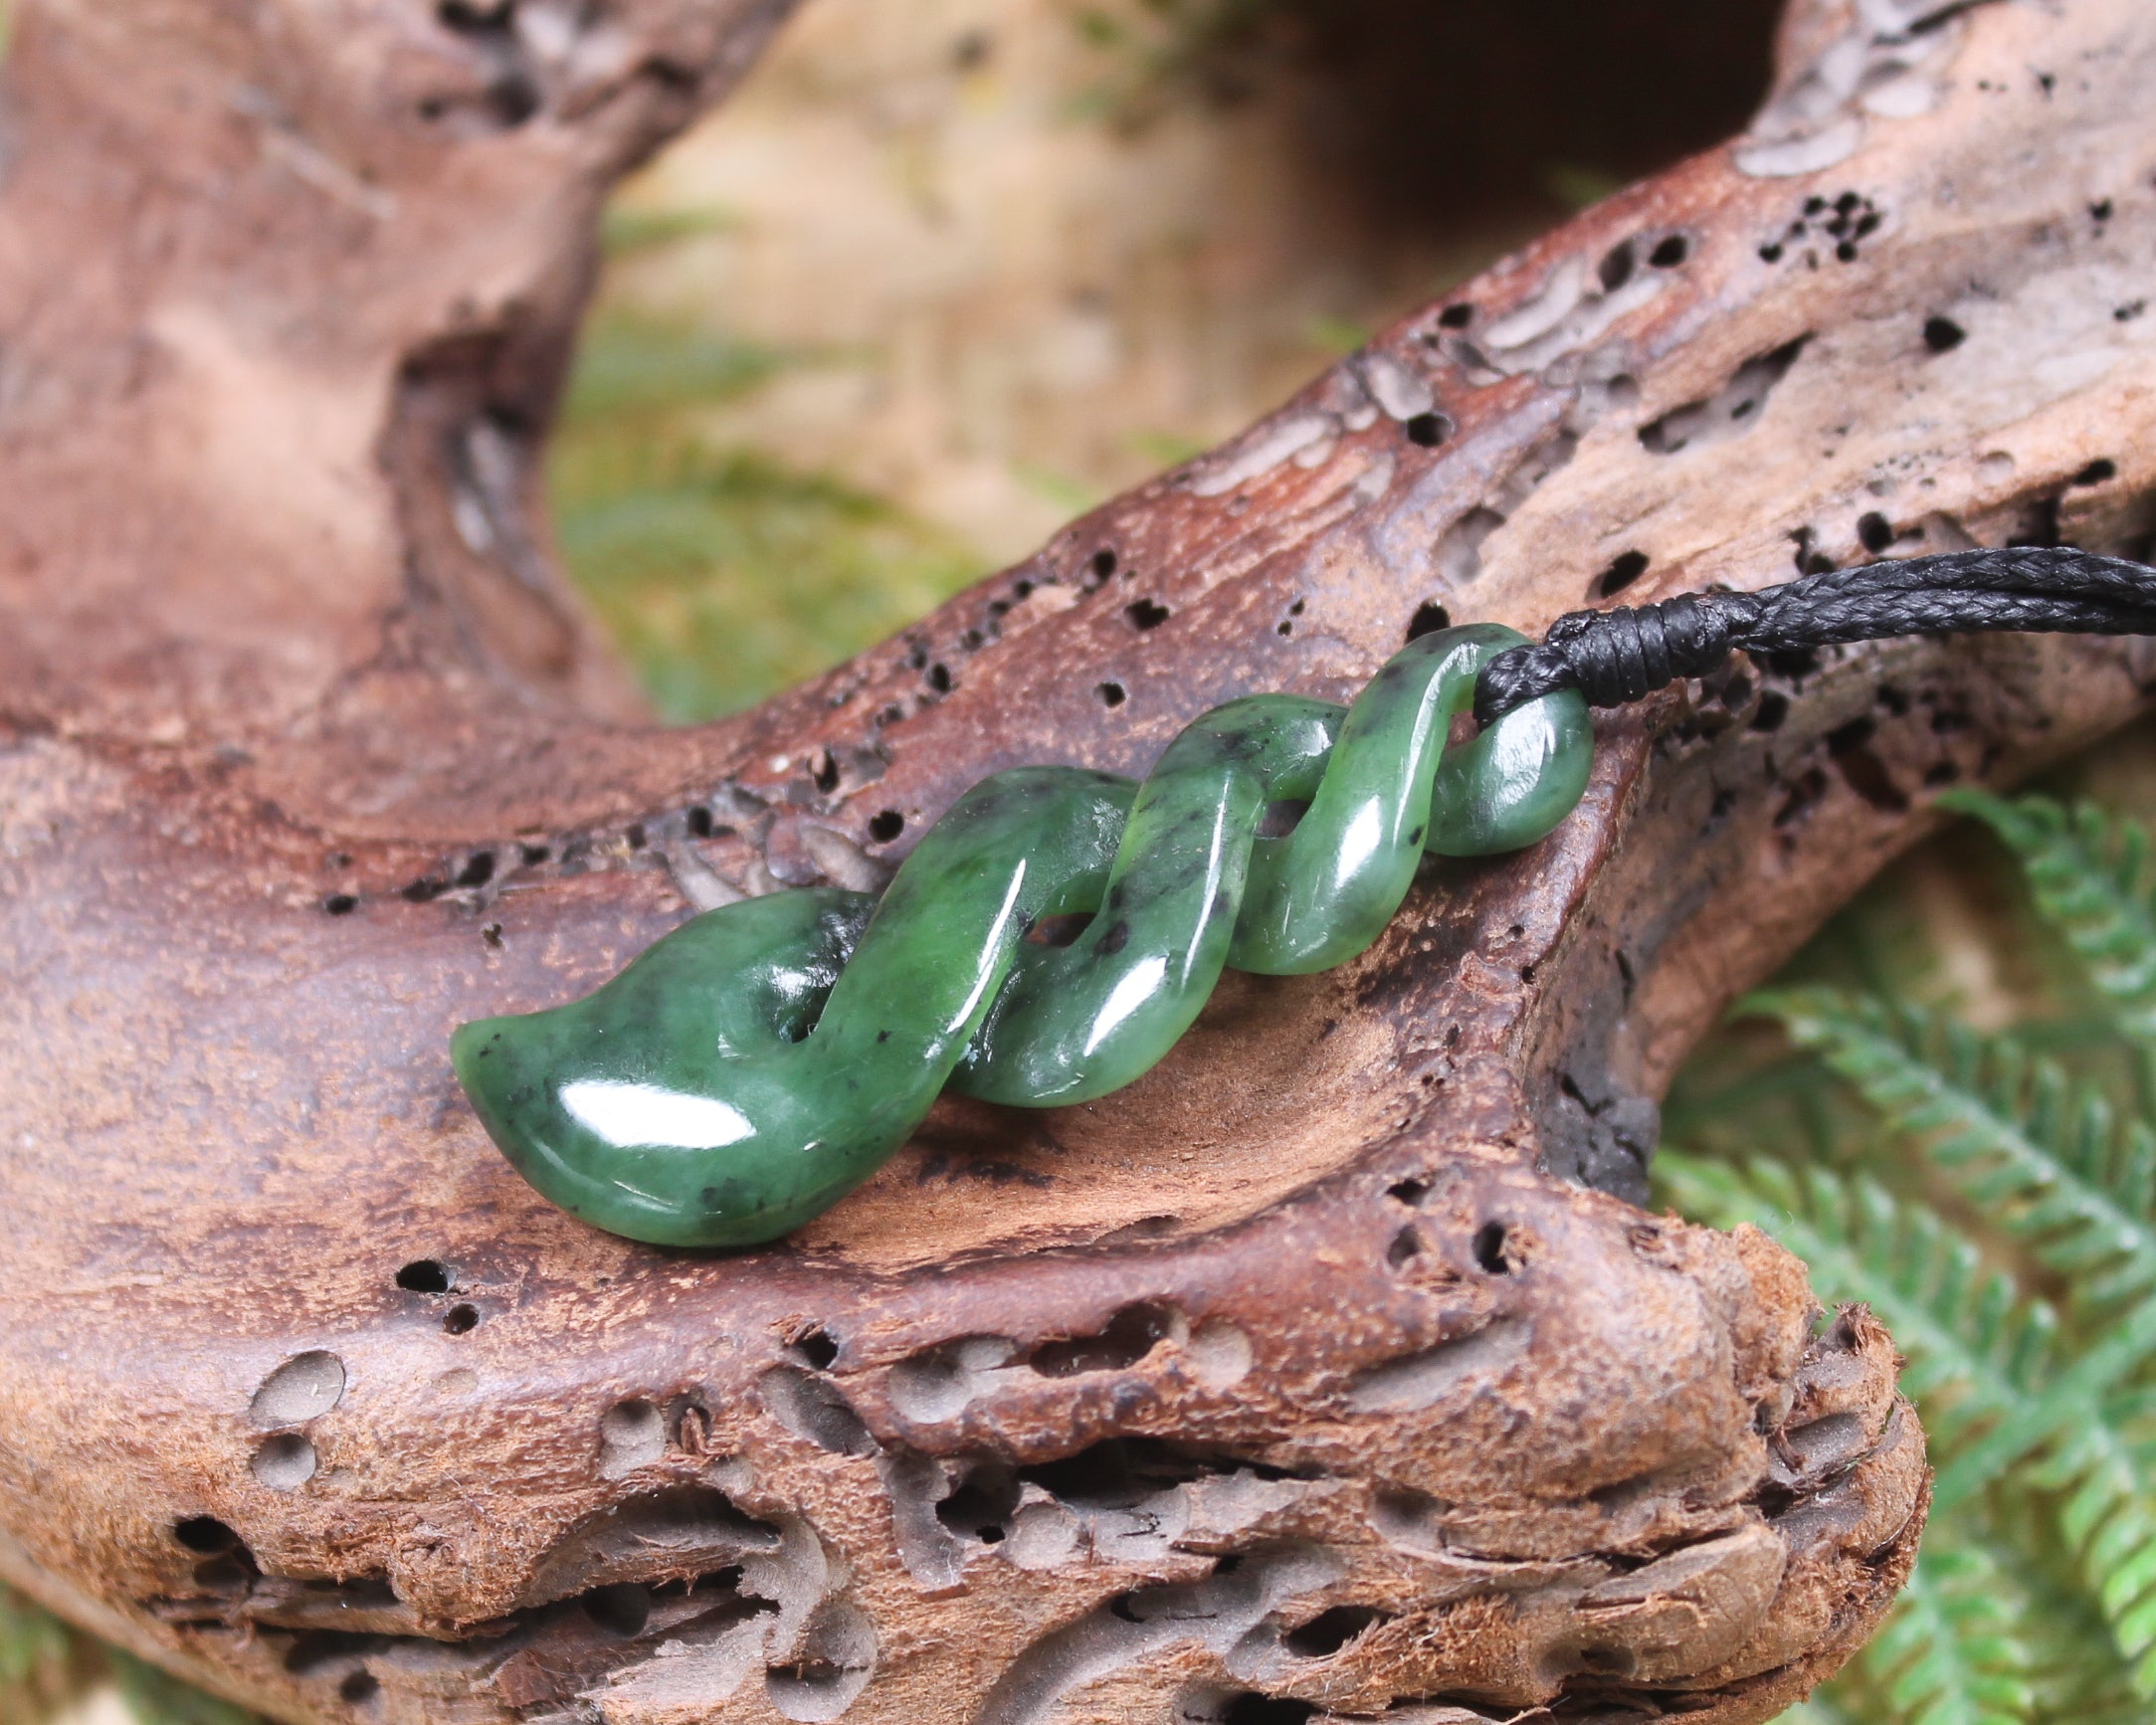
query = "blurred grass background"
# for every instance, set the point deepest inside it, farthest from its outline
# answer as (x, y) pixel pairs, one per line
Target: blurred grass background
(946, 271)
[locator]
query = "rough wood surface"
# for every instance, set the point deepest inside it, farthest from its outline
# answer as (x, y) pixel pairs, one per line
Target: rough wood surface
(1315, 1367)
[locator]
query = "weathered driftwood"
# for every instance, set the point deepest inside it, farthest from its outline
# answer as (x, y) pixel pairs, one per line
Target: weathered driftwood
(1314, 1366)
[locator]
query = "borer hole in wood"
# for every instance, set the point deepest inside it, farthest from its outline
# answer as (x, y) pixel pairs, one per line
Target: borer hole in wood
(1429, 618)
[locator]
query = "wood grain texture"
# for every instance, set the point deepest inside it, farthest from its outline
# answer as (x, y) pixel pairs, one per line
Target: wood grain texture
(1334, 1361)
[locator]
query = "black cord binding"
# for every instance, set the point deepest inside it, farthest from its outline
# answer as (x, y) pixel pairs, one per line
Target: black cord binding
(1614, 657)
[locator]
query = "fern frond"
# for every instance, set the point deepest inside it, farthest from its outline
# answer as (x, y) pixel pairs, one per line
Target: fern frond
(2089, 873)
(1821, 1709)
(1977, 1353)
(1949, 1654)
(2072, 1414)
(2046, 1156)
(2041, 1156)
(1982, 1365)
(2078, 1675)
(2108, 1517)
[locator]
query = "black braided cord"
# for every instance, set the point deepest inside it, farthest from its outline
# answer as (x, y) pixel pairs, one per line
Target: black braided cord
(1614, 657)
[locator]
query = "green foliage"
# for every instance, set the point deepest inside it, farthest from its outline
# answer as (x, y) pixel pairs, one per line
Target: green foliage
(1951, 1655)
(2090, 878)
(2048, 1157)
(626, 230)
(723, 574)
(637, 368)
(2004, 1226)
(157, 1698)
(1577, 187)
(44, 1665)
(1819, 1710)
(34, 1647)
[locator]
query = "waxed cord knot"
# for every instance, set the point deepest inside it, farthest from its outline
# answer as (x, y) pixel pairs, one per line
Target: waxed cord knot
(1624, 655)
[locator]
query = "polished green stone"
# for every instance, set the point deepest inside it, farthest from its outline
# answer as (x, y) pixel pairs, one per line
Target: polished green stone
(759, 1063)
(755, 1065)
(1076, 1022)
(1393, 791)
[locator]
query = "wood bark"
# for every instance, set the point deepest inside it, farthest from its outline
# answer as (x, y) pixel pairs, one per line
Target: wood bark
(1332, 1365)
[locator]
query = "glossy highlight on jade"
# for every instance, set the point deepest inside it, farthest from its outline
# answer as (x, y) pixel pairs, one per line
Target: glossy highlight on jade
(755, 1065)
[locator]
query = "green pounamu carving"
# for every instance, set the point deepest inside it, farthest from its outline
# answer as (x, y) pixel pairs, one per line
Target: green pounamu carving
(763, 1059)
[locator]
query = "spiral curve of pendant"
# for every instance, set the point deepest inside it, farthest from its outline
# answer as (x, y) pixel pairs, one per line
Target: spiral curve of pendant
(755, 1065)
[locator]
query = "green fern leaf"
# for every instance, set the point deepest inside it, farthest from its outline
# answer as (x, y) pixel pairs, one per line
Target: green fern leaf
(2079, 1676)
(2043, 1155)
(1821, 1709)
(1949, 1654)
(726, 575)
(2089, 873)
(2108, 1518)
(2039, 1155)
(1982, 1365)
(1976, 1353)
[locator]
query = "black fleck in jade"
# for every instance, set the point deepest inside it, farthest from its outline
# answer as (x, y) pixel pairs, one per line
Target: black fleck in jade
(763, 1060)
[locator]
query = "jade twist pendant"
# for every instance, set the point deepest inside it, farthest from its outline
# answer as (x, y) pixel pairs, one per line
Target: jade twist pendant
(756, 1064)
